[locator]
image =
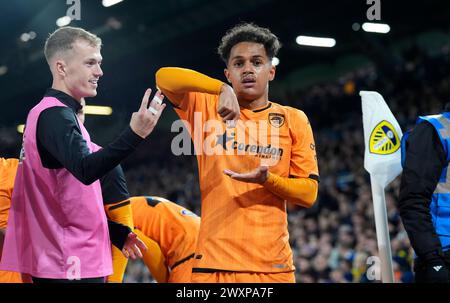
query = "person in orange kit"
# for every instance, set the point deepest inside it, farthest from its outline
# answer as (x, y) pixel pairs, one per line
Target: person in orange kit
(245, 177)
(168, 230)
(174, 229)
(8, 169)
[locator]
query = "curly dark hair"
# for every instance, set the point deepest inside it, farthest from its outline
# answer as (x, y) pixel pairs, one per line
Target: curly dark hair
(248, 32)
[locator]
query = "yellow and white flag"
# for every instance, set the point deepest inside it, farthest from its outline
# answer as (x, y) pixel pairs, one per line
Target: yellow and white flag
(382, 136)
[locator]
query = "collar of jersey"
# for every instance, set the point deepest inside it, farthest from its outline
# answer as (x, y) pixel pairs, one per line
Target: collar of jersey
(258, 110)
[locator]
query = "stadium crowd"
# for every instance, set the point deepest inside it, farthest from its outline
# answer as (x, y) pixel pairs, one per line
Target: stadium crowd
(333, 240)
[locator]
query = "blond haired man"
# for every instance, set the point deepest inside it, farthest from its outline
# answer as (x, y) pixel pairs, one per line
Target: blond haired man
(57, 230)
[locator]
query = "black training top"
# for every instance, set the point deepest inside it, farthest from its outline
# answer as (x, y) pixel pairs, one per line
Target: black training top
(424, 162)
(61, 145)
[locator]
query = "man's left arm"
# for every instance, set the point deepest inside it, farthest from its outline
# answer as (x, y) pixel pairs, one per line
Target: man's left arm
(301, 191)
(302, 186)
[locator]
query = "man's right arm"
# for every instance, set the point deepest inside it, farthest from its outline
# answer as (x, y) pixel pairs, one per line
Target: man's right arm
(176, 83)
(61, 144)
(425, 160)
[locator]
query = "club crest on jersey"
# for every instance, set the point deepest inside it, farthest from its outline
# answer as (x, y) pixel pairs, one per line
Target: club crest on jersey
(384, 139)
(276, 119)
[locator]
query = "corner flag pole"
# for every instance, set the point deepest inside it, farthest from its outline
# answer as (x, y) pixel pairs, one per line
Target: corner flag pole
(382, 230)
(382, 160)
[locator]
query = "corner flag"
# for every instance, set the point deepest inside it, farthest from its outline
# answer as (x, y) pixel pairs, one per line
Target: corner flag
(382, 159)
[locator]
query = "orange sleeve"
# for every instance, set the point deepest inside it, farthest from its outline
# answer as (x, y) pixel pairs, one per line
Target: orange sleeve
(302, 191)
(154, 258)
(303, 153)
(8, 169)
(122, 213)
(176, 82)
